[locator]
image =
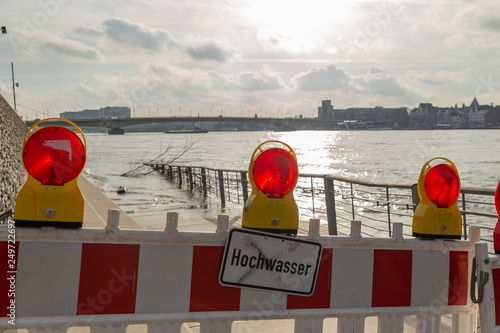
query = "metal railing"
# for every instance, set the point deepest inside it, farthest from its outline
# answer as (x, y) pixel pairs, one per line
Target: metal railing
(338, 200)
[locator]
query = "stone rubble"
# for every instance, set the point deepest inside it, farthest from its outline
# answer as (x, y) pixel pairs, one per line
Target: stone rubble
(12, 172)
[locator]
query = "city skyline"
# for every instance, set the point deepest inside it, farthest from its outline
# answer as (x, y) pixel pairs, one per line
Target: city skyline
(247, 57)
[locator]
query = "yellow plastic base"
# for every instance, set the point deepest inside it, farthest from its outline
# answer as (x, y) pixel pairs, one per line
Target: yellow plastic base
(275, 215)
(432, 222)
(49, 205)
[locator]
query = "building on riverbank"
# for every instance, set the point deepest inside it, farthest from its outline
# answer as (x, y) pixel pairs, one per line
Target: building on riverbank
(372, 117)
(102, 113)
(427, 116)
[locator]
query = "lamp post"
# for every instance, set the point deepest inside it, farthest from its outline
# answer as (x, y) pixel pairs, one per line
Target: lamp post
(14, 85)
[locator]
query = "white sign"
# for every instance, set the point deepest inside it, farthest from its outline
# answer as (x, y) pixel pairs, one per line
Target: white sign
(261, 260)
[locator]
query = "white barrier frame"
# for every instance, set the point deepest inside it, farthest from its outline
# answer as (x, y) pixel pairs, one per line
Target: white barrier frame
(391, 319)
(484, 267)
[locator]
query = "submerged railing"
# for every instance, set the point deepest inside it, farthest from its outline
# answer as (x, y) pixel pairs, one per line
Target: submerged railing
(338, 200)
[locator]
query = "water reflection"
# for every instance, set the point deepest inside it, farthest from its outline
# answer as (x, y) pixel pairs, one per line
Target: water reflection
(382, 156)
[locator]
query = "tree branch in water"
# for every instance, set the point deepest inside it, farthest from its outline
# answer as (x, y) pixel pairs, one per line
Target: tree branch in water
(162, 158)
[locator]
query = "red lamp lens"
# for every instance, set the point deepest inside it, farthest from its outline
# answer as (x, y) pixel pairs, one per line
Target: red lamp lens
(275, 172)
(442, 185)
(54, 155)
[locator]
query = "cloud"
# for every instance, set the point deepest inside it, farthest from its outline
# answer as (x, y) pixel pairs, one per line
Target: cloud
(211, 50)
(481, 16)
(379, 82)
(137, 35)
(492, 22)
(140, 36)
(253, 81)
(375, 71)
(222, 82)
(72, 49)
(89, 31)
(43, 45)
(478, 18)
(435, 78)
(322, 79)
(160, 81)
(294, 43)
(77, 97)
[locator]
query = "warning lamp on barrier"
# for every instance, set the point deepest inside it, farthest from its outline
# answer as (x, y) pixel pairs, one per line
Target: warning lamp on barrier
(496, 232)
(437, 215)
(273, 173)
(54, 156)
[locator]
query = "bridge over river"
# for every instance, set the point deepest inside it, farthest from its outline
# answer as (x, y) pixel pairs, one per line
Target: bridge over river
(284, 124)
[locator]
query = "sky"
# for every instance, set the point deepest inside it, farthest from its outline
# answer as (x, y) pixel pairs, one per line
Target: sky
(275, 58)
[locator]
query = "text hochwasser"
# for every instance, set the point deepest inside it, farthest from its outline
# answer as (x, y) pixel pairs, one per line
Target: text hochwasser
(260, 262)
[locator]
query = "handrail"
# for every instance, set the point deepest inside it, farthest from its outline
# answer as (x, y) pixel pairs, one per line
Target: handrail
(467, 190)
(368, 183)
(331, 198)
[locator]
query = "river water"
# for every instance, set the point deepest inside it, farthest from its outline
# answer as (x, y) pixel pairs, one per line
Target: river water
(381, 156)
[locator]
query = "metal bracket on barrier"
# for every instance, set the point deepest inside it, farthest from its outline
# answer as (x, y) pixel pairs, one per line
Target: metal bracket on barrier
(6, 214)
(483, 279)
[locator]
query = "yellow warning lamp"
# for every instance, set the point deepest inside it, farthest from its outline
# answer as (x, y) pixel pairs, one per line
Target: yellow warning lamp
(54, 156)
(273, 173)
(437, 215)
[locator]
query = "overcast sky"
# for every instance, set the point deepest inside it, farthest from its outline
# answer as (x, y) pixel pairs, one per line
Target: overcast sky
(238, 57)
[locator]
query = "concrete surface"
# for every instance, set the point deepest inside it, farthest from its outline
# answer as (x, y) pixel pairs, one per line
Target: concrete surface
(97, 205)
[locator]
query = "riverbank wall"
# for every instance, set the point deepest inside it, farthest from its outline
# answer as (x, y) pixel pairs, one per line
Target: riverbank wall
(12, 173)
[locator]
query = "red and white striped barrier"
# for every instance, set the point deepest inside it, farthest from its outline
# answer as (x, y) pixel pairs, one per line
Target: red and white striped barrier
(98, 272)
(89, 278)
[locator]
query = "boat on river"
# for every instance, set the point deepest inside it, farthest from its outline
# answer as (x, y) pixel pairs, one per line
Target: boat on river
(189, 131)
(116, 131)
(353, 125)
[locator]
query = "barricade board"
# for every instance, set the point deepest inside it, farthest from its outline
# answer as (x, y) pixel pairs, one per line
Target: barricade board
(110, 278)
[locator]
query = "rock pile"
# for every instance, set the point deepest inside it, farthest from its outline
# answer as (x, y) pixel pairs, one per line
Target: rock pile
(12, 173)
